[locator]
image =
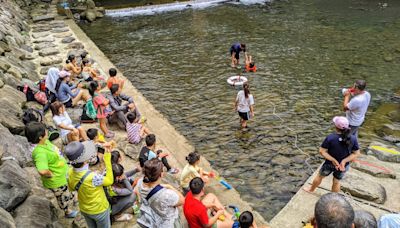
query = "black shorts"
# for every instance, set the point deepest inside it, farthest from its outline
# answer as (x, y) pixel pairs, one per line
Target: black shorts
(244, 115)
(68, 104)
(236, 53)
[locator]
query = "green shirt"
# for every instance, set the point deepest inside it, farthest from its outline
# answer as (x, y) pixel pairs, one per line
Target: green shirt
(47, 157)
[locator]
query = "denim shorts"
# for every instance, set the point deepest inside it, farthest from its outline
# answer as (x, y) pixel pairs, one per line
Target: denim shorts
(328, 168)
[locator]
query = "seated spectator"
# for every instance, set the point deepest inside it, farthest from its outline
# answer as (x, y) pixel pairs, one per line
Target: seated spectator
(130, 175)
(389, 221)
(122, 195)
(93, 202)
(159, 202)
(246, 220)
(364, 219)
(72, 67)
(193, 170)
(51, 166)
(51, 82)
(88, 73)
(136, 131)
(197, 203)
(113, 79)
(116, 99)
(100, 103)
(147, 153)
(69, 95)
(332, 211)
(68, 131)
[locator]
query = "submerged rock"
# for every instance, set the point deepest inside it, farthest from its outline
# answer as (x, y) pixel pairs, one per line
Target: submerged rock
(14, 186)
(363, 188)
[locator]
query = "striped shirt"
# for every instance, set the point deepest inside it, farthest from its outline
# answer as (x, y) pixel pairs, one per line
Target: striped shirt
(133, 130)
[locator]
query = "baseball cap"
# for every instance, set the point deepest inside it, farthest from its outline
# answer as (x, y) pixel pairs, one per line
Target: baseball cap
(341, 122)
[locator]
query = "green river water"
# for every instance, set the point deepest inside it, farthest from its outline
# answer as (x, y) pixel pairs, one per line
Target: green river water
(305, 52)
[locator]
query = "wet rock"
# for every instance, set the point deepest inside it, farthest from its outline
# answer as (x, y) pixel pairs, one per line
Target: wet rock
(391, 129)
(44, 39)
(44, 45)
(48, 61)
(59, 30)
(67, 40)
(75, 45)
(27, 48)
(99, 14)
(90, 15)
(384, 152)
(40, 34)
(388, 58)
(62, 35)
(14, 186)
(363, 188)
(133, 150)
(36, 211)
(280, 160)
(372, 166)
(43, 18)
(6, 220)
(48, 51)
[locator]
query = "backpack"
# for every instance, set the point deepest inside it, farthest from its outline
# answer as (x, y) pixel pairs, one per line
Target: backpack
(34, 115)
(85, 118)
(91, 111)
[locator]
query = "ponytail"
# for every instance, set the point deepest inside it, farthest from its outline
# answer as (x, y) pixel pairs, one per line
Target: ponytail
(346, 136)
(93, 87)
(246, 90)
(58, 84)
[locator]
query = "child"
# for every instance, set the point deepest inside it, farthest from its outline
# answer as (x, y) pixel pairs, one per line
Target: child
(123, 196)
(92, 134)
(117, 159)
(51, 166)
(192, 170)
(136, 131)
(246, 220)
(147, 153)
(100, 103)
(113, 79)
(250, 65)
(93, 202)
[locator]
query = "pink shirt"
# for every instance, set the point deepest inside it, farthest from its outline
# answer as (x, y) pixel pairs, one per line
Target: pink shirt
(98, 101)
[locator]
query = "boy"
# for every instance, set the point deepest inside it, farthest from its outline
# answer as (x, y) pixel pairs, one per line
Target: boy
(197, 203)
(235, 50)
(246, 220)
(93, 202)
(113, 79)
(51, 166)
(136, 131)
(147, 153)
(250, 65)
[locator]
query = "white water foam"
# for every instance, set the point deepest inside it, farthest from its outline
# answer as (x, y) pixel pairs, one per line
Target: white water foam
(151, 10)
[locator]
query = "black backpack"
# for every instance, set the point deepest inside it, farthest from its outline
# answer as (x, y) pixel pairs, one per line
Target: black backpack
(33, 115)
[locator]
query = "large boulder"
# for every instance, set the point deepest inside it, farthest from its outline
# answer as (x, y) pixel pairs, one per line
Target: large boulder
(15, 146)
(11, 115)
(36, 211)
(132, 150)
(384, 152)
(363, 188)
(14, 186)
(6, 220)
(90, 15)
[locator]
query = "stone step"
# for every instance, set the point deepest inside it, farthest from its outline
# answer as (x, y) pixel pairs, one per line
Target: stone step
(43, 18)
(372, 166)
(384, 152)
(363, 188)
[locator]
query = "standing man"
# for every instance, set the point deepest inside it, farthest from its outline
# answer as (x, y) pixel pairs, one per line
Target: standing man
(357, 106)
(235, 50)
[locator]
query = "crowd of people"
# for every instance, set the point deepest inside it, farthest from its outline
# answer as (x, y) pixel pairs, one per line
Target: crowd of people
(105, 196)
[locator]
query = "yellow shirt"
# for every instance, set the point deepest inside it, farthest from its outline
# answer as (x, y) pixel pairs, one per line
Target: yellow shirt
(188, 173)
(92, 198)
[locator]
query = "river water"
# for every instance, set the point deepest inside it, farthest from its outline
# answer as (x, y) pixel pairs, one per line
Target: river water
(305, 51)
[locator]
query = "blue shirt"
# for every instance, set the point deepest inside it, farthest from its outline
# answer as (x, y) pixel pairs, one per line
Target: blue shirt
(65, 93)
(236, 48)
(337, 148)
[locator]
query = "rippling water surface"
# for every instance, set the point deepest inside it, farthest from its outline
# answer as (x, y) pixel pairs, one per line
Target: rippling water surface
(305, 52)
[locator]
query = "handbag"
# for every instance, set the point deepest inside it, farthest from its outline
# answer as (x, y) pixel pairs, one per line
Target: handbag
(41, 97)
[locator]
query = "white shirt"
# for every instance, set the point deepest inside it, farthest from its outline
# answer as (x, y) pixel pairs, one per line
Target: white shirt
(243, 102)
(358, 106)
(65, 120)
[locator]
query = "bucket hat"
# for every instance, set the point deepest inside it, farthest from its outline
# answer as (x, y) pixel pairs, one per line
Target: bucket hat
(79, 152)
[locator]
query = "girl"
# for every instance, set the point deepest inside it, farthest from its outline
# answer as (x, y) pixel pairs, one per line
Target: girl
(193, 170)
(72, 67)
(100, 103)
(244, 105)
(123, 196)
(69, 95)
(88, 73)
(69, 132)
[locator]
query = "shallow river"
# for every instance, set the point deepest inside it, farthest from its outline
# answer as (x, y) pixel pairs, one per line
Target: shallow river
(305, 51)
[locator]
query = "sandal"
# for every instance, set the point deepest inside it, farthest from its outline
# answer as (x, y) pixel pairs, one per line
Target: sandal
(124, 218)
(173, 171)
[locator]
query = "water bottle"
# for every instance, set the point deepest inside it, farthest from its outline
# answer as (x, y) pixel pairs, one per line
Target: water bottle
(136, 209)
(224, 183)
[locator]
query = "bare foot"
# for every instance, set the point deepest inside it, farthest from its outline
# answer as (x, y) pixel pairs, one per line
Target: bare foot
(308, 189)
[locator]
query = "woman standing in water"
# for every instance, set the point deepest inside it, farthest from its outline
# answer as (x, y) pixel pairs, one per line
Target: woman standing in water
(244, 105)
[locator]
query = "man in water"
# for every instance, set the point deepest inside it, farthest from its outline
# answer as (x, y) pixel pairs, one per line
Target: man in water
(357, 106)
(235, 50)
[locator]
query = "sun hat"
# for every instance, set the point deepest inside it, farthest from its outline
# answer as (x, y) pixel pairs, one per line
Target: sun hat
(341, 122)
(64, 74)
(79, 152)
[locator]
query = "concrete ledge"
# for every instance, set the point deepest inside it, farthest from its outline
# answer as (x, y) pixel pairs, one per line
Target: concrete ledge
(167, 136)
